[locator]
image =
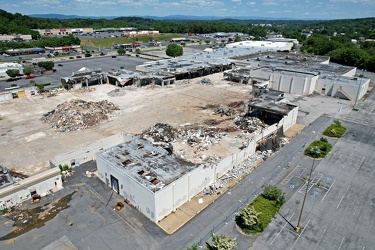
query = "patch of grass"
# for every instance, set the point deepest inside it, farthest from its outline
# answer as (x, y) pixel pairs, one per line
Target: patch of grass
(335, 130)
(268, 209)
(323, 145)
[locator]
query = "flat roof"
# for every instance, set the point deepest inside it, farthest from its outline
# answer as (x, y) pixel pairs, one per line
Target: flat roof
(273, 103)
(149, 165)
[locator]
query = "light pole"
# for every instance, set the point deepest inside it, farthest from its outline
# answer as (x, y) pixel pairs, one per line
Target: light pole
(316, 154)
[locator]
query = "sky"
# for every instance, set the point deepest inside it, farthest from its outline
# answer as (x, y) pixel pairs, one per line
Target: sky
(296, 9)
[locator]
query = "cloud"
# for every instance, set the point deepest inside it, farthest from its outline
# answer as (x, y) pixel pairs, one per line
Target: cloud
(42, 2)
(269, 2)
(236, 1)
(351, 1)
(251, 3)
(279, 11)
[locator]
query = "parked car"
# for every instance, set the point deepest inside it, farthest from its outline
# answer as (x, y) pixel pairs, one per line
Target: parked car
(71, 57)
(88, 55)
(114, 56)
(78, 56)
(60, 65)
(29, 76)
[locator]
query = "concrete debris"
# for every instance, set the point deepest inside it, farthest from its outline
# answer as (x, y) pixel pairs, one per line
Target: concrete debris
(162, 132)
(211, 122)
(203, 137)
(116, 92)
(237, 173)
(224, 110)
(206, 81)
(78, 114)
(182, 82)
(249, 124)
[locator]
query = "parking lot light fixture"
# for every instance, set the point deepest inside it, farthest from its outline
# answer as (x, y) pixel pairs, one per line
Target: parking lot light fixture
(316, 155)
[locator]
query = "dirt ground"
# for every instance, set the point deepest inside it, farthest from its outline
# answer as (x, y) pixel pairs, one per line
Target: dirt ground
(27, 143)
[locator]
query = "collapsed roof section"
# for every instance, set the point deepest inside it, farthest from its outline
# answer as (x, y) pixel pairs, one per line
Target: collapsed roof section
(151, 166)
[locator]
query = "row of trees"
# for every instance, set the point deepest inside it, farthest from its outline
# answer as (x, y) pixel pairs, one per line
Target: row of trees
(42, 42)
(342, 50)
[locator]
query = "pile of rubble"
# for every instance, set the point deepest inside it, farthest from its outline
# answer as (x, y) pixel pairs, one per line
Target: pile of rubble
(161, 132)
(206, 81)
(116, 92)
(198, 136)
(224, 110)
(78, 114)
(249, 124)
(238, 172)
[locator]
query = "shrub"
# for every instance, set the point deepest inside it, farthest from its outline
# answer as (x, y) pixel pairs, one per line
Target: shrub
(64, 167)
(324, 148)
(13, 85)
(335, 130)
(4, 211)
(40, 86)
(271, 192)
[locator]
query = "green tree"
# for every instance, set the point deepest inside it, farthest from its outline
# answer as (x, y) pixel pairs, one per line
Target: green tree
(271, 192)
(138, 51)
(221, 242)
(28, 70)
(13, 72)
(121, 51)
(174, 50)
(207, 41)
(48, 65)
(249, 217)
(237, 39)
(193, 247)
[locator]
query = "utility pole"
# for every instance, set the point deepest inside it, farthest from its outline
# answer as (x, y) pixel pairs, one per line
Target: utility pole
(317, 152)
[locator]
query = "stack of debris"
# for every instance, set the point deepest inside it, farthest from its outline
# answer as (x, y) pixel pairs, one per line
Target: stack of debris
(193, 136)
(238, 172)
(116, 92)
(78, 114)
(206, 81)
(161, 132)
(224, 110)
(249, 124)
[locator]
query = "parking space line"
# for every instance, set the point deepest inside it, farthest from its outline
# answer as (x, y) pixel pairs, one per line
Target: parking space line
(346, 162)
(324, 232)
(343, 197)
(286, 223)
(359, 166)
(300, 234)
(343, 238)
(328, 190)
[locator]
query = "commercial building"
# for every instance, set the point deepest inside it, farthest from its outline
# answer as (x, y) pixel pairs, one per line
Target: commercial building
(15, 38)
(65, 31)
(141, 33)
(14, 192)
(299, 74)
(156, 182)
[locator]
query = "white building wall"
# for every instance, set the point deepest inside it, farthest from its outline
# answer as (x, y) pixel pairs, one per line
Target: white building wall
(139, 196)
(332, 86)
(7, 96)
(298, 85)
(87, 152)
(43, 183)
(351, 73)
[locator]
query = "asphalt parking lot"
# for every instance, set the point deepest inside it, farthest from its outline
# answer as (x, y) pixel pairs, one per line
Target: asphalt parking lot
(105, 63)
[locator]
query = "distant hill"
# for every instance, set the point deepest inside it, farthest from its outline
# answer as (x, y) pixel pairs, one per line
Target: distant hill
(172, 17)
(59, 16)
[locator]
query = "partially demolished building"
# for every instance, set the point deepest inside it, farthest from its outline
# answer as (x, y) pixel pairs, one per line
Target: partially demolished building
(299, 74)
(155, 180)
(13, 192)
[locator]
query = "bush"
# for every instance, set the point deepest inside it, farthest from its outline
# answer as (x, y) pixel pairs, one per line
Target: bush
(64, 167)
(40, 86)
(335, 130)
(4, 211)
(268, 209)
(273, 193)
(323, 146)
(13, 85)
